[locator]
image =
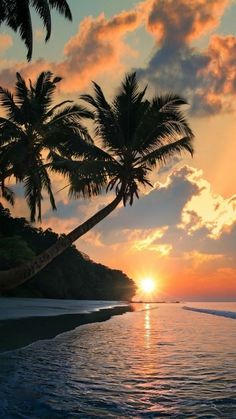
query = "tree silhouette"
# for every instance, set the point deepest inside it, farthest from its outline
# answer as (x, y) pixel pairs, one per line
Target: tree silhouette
(32, 130)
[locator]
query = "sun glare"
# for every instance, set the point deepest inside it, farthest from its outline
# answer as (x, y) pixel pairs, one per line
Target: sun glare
(147, 285)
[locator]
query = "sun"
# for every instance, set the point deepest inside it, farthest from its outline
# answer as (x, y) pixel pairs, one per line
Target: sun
(148, 285)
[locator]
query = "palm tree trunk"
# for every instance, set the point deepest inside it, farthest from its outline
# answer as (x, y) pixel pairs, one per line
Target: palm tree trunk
(16, 276)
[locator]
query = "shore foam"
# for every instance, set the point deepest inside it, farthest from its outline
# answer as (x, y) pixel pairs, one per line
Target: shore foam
(222, 313)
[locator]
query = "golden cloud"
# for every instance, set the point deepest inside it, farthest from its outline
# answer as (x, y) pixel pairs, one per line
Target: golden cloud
(97, 47)
(147, 240)
(198, 258)
(5, 42)
(207, 209)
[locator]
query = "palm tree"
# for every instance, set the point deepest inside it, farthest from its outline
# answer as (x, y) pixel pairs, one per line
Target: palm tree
(17, 15)
(31, 131)
(134, 135)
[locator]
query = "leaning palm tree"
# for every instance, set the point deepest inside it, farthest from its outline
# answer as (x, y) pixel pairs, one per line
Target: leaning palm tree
(134, 135)
(17, 15)
(31, 131)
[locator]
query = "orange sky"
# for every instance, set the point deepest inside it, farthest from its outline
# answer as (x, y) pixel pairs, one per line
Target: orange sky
(183, 232)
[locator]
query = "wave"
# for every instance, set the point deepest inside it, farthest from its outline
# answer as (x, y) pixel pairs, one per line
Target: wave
(222, 313)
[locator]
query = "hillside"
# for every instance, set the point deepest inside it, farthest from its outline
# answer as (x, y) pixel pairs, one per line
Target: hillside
(71, 275)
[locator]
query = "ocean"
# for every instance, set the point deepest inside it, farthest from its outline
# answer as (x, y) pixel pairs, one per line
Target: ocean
(161, 360)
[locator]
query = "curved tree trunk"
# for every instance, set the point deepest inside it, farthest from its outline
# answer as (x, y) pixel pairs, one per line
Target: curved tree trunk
(16, 276)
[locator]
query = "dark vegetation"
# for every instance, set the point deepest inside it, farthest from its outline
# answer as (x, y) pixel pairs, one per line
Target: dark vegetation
(72, 275)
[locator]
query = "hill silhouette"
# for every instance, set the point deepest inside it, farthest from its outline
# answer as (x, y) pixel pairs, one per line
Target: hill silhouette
(72, 275)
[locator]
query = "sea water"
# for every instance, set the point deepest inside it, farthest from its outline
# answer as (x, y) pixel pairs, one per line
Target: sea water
(159, 361)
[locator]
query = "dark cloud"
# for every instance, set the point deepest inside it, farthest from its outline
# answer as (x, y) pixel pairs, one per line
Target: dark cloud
(162, 206)
(206, 77)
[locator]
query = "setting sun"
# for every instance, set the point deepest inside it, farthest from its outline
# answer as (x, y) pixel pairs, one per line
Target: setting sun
(147, 285)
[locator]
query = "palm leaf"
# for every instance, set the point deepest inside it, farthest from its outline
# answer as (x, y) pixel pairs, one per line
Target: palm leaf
(9, 105)
(107, 128)
(169, 102)
(19, 19)
(160, 124)
(50, 113)
(167, 151)
(8, 195)
(42, 8)
(22, 91)
(62, 7)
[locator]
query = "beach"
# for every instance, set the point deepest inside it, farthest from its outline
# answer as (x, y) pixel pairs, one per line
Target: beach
(25, 320)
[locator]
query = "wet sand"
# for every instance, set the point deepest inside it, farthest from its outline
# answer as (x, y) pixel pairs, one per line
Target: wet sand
(16, 333)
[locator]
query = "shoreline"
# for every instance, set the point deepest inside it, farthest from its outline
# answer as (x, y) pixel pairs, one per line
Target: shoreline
(18, 333)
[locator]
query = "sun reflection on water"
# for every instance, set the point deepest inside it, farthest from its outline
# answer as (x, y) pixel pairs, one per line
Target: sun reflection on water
(147, 326)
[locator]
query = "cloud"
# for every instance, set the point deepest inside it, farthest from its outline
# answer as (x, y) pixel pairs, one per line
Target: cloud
(93, 238)
(5, 42)
(198, 258)
(207, 77)
(185, 20)
(39, 34)
(159, 207)
(207, 209)
(185, 202)
(97, 47)
(147, 239)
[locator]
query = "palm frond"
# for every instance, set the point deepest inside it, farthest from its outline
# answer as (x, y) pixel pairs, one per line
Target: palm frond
(164, 153)
(35, 183)
(73, 113)
(31, 195)
(56, 107)
(129, 106)
(46, 184)
(19, 19)
(9, 130)
(22, 91)
(63, 8)
(9, 105)
(161, 123)
(8, 195)
(168, 102)
(5, 191)
(17, 15)
(42, 8)
(83, 167)
(107, 128)
(87, 177)
(44, 89)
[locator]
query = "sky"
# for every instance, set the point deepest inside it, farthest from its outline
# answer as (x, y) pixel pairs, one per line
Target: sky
(183, 231)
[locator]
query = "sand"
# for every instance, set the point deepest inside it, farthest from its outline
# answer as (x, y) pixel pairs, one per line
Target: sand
(16, 333)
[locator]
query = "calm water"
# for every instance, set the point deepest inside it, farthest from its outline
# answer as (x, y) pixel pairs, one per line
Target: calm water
(160, 361)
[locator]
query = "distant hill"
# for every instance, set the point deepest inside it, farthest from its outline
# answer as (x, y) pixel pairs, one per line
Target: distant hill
(71, 275)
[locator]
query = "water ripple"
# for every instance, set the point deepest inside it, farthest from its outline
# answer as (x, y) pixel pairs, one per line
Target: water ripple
(175, 365)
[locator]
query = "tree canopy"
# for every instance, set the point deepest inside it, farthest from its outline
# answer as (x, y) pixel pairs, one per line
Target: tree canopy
(31, 131)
